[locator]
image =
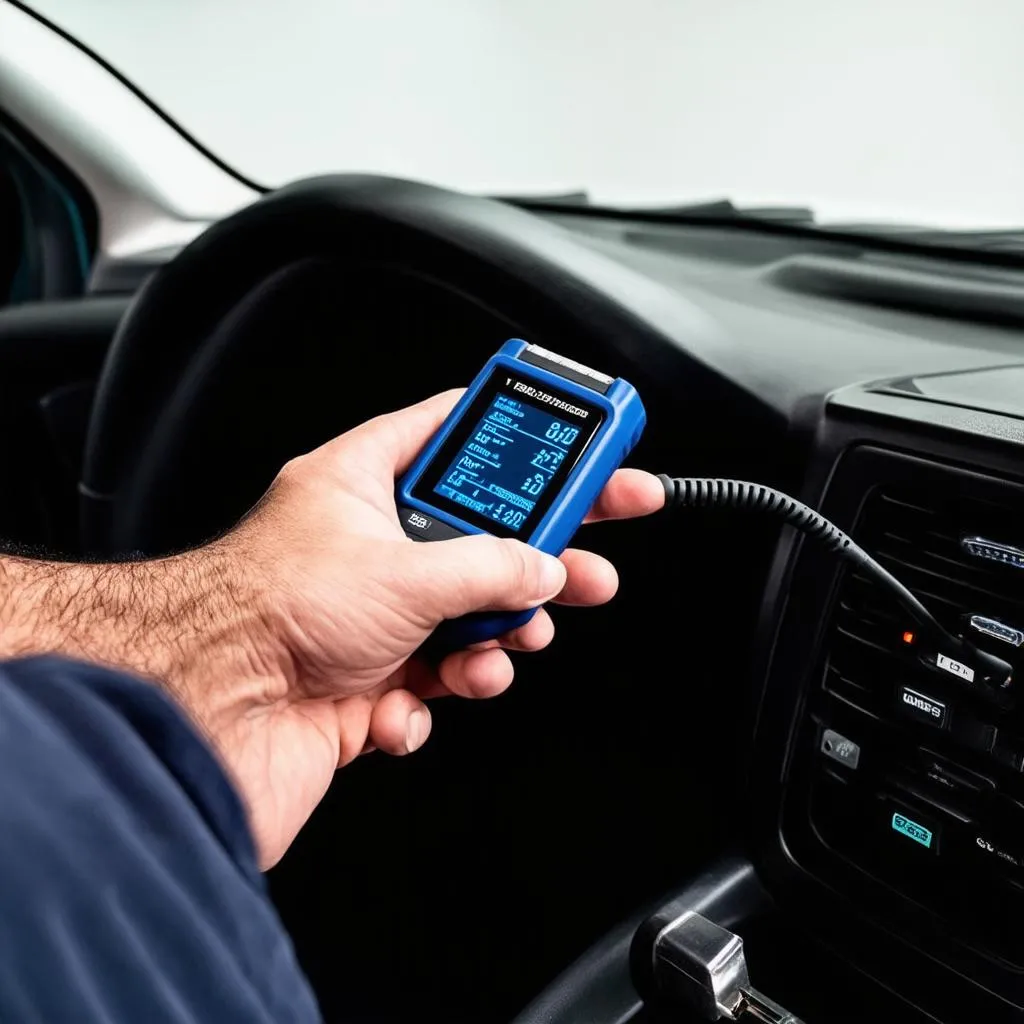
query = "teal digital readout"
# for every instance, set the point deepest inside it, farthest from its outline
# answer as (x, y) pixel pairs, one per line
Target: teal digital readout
(912, 830)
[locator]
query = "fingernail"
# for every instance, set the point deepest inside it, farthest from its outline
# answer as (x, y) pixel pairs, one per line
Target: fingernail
(552, 576)
(416, 730)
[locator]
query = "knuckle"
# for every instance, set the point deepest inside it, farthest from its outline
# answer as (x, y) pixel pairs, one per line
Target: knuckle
(292, 471)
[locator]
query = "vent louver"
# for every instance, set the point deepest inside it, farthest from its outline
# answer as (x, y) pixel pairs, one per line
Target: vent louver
(925, 539)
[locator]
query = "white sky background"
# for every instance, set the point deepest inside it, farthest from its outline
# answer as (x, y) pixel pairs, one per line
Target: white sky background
(905, 110)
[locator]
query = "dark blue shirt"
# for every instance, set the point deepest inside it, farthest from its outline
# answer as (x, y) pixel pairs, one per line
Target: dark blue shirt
(129, 888)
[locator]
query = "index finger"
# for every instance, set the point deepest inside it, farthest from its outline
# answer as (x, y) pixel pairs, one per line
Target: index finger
(628, 494)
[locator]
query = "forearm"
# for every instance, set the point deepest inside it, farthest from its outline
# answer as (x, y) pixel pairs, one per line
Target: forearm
(175, 620)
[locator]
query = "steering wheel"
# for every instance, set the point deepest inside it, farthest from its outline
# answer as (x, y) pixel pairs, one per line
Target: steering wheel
(252, 291)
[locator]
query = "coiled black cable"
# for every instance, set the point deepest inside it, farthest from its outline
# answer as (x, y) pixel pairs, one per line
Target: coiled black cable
(698, 492)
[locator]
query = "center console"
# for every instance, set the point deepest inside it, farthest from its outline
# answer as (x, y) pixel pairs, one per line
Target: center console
(905, 787)
(885, 810)
(889, 786)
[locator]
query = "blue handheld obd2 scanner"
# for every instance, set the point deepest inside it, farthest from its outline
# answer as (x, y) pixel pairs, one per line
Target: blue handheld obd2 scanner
(524, 454)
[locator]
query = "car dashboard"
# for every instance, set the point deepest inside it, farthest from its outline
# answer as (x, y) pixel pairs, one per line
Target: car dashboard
(884, 795)
(774, 699)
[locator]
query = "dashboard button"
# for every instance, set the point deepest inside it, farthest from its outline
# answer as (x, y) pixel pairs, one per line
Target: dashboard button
(993, 627)
(922, 707)
(912, 828)
(842, 750)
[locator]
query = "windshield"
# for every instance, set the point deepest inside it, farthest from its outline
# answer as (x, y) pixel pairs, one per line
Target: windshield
(882, 111)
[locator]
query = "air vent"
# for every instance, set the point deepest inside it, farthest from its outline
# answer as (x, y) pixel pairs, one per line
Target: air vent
(935, 749)
(944, 547)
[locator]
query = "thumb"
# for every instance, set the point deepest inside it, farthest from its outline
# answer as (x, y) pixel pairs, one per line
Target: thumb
(472, 574)
(393, 440)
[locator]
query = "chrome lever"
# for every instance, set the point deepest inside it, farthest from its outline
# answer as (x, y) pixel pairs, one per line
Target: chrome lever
(702, 964)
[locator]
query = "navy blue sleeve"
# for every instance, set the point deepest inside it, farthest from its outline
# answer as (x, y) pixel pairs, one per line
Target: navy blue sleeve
(129, 887)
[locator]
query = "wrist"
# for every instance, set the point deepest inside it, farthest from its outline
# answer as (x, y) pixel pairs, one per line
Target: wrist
(219, 656)
(192, 623)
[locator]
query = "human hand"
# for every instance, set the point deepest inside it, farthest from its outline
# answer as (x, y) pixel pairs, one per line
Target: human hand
(313, 660)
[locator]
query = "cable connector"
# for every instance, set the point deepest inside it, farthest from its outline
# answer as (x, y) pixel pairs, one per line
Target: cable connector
(943, 649)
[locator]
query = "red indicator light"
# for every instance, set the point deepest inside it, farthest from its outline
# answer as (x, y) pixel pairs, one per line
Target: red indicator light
(908, 637)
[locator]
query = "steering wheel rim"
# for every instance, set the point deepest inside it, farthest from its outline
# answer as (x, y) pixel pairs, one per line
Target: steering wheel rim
(485, 247)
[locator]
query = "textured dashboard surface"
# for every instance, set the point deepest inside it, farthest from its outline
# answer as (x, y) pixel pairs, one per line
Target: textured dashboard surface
(775, 314)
